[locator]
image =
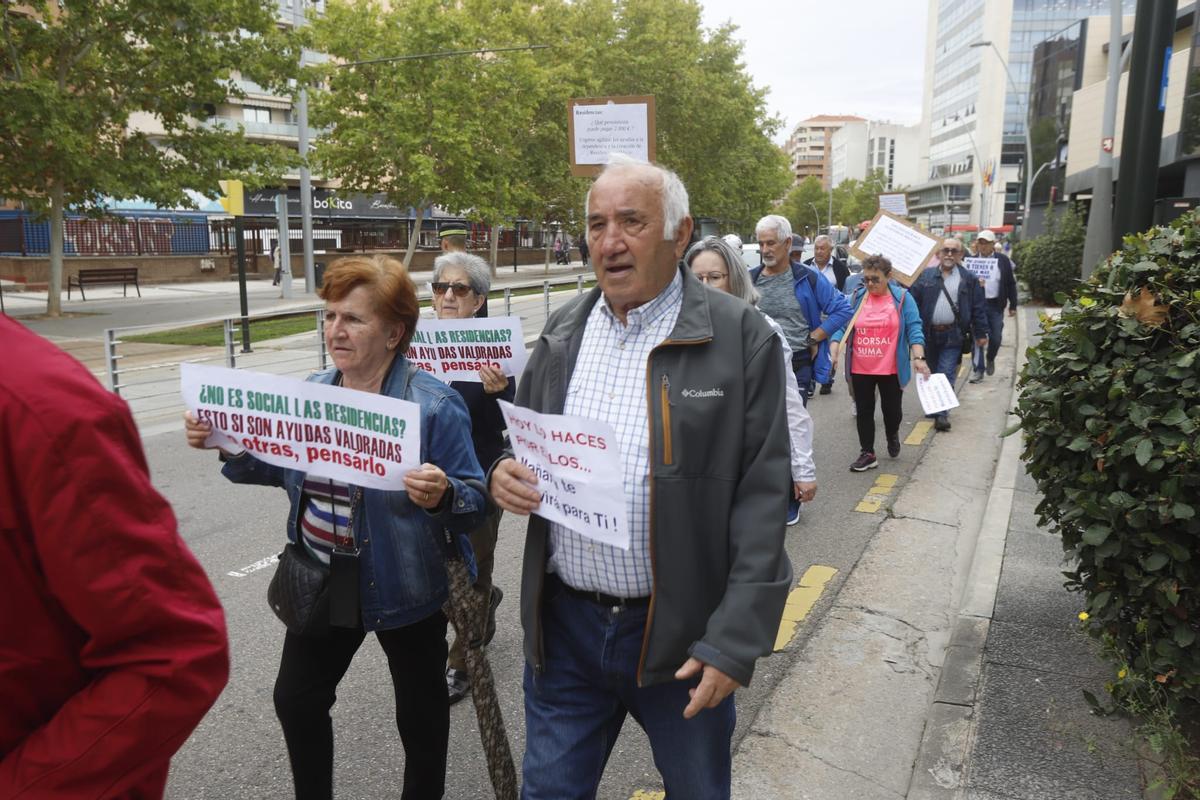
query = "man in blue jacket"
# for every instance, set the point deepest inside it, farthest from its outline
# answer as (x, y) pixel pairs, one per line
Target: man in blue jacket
(808, 308)
(952, 308)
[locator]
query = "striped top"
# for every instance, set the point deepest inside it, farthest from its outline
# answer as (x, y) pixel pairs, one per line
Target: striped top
(327, 512)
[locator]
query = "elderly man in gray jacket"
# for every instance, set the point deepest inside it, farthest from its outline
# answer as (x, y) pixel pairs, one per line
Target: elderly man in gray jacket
(691, 381)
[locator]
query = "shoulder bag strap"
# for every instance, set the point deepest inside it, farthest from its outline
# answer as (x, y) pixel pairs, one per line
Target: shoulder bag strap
(953, 306)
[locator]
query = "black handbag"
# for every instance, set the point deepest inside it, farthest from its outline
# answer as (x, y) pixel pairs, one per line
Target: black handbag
(967, 342)
(308, 596)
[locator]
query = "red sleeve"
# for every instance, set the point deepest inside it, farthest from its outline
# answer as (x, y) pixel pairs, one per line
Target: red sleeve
(152, 628)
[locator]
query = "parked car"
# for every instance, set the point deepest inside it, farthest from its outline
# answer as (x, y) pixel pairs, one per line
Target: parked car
(751, 254)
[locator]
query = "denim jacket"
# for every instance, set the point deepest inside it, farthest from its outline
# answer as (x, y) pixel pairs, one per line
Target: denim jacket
(402, 575)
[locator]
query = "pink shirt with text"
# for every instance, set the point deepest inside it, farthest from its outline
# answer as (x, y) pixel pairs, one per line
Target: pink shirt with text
(875, 336)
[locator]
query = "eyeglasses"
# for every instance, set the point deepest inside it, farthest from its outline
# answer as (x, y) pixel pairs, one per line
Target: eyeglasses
(872, 279)
(711, 277)
(951, 250)
(459, 289)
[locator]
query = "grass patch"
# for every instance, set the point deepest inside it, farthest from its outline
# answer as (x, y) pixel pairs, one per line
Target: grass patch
(213, 335)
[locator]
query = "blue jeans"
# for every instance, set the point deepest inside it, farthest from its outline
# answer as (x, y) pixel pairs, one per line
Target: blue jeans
(943, 353)
(803, 367)
(575, 708)
(995, 317)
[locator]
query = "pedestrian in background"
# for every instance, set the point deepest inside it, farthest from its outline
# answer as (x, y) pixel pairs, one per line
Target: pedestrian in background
(719, 266)
(886, 343)
(370, 315)
(953, 314)
(808, 308)
(999, 290)
(690, 381)
(582, 244)
(460, 283)
(112, 642)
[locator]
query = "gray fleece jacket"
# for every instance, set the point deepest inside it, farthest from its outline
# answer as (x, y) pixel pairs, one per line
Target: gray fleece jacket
(719, 483)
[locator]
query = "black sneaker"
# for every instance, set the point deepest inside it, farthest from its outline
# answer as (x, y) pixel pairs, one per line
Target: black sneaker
(495, 599)
(826, 388)
(458, 685)
(893, 446)
(941, 423)
(866, 460)
(991, 366)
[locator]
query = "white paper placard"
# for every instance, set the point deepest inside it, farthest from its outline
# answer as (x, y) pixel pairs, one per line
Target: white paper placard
(935, 393)
(578, 466)
(896, 203)
(982, 268)
(456, 349)
(908, 248)
(601, 130)
(363, 439)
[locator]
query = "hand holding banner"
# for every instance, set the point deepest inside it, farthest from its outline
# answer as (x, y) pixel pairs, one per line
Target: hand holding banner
(578, 467)
(360, 438)
(456, 349)
(935, 393)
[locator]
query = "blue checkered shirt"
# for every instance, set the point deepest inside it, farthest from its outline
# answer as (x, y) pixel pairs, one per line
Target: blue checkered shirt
(609, 384)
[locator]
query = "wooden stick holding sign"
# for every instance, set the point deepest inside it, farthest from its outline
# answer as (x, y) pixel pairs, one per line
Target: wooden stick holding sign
(908, 247)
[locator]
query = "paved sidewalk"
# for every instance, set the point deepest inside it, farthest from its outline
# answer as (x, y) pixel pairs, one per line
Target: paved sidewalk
(951, 664)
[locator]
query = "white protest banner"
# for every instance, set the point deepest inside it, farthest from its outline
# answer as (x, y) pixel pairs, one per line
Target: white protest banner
(907, 247)
(935, 393)
(578, 467)
(360, 438)
(456, 349)
(895, 203)
(982, 268)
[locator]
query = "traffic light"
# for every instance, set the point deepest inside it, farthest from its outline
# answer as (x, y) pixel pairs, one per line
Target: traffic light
(233, 198)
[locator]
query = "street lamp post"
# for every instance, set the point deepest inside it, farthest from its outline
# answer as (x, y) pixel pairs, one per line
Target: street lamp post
(817, 230)
(1028, 138)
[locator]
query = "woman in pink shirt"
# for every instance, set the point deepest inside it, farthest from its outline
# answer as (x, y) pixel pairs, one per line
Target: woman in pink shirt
(886, 342)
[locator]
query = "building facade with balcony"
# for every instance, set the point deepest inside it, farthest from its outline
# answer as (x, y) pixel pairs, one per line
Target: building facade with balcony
(860, 148)
(810, 147)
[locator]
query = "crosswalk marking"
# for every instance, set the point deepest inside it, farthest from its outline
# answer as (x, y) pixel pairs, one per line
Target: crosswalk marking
(801, 601)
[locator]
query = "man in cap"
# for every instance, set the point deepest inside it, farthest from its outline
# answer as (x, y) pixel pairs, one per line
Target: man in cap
(453, 236)
(1000, 289)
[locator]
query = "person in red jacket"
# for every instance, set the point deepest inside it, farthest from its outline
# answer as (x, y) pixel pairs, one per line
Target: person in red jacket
(112, 641)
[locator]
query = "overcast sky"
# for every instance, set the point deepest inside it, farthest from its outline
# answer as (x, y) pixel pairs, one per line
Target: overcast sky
(864, 57)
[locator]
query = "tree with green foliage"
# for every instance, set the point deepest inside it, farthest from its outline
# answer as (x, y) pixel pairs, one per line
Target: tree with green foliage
(805, 206)
(106, 100)
(421, 130)
(1050, 263)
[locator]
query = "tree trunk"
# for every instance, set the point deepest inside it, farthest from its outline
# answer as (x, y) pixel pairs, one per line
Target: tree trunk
(416, 234)
(547, 245)
(494, 256)
(57, 214)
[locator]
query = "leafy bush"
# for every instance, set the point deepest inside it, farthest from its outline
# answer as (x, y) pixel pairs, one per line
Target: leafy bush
(1051, 263)
(1110, 418)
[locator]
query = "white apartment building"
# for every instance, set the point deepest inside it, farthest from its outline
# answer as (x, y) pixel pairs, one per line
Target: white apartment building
(978, 70)
(860, 148)
(810, 147)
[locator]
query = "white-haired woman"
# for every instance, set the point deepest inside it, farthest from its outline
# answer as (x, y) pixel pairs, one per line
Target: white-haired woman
(460, 286)
(716, 263)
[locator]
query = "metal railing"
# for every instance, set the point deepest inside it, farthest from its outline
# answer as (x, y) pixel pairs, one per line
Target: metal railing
(146, 374)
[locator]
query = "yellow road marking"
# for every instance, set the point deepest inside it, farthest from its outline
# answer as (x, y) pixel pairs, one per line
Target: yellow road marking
(963, 367)
(801, 601)
(877, 495)
(919, 432)
(640, 795)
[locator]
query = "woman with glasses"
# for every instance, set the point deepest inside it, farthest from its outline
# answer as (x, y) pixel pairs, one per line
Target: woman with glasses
(460, 286)
(886, 344)
(370, 315)
(719, 265)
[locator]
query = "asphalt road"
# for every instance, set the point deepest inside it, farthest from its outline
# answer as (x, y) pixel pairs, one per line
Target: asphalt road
(238, 751)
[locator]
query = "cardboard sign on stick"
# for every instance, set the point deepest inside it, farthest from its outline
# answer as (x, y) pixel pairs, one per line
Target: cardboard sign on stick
(908, 247)
(597, 127)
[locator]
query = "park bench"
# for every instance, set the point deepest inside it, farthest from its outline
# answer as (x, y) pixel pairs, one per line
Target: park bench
(97, 277)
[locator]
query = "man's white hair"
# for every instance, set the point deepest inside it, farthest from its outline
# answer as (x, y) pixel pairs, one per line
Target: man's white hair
(822, 238)
(674, 193)
(776, 223)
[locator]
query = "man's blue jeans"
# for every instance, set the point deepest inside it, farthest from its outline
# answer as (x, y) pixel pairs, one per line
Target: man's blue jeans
(575, 708)
(995, 315)
(943, 353)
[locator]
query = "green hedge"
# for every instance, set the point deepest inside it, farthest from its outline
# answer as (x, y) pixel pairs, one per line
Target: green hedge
(1051, 263)
(1111, 419)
